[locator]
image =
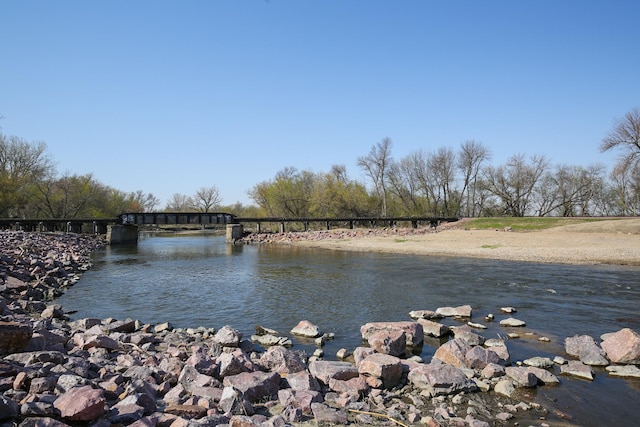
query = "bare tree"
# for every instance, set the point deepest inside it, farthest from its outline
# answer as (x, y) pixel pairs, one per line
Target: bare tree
(441, 167)
(145, 202)
(404, 185)
(625, 135)
(376, 166)
(179, 203)
(569, 190)
(207, 198)
(626, 188)
(514, 183)
(471, 160)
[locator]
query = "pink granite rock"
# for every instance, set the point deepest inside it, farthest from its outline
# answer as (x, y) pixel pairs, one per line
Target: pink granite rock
(383, 366)
(453, 352)
(392, 342)
(623, 347)
(81, 404)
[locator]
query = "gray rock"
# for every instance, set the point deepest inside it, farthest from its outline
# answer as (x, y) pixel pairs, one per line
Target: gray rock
(460, 311)
(585, 348)
(325, 414)
(233, 402)
(544, 377)
(631, 371)
(440, 379)
(539, 362)
(577, 369)
(424, 314)
(282, 360)
(412, 330)
(324, 370)
(255, 385)
(512, 322)
(521, 377)
(306, 329)
(433, 329)
(505, 388)
(228, 337)
(478, 357)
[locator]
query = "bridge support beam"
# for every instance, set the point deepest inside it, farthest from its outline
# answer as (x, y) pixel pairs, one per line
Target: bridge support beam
(119, 234)
(234, 232)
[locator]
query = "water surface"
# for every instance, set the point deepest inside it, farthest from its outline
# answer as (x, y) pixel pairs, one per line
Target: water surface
(201, 280)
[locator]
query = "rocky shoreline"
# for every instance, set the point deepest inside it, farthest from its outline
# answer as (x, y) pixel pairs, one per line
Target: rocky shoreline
(103, 372)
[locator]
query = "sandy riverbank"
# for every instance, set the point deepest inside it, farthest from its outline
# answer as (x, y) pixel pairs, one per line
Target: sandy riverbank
(614, 241)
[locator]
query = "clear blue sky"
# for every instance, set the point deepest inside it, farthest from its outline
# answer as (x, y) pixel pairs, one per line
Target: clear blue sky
(170, 96)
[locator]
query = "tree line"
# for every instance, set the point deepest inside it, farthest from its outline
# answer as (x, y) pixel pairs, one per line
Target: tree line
(459, 182)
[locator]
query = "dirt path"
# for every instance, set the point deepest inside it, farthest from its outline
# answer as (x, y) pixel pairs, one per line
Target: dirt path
(601, 242)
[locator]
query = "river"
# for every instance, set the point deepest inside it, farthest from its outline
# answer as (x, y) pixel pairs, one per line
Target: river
(200, 280)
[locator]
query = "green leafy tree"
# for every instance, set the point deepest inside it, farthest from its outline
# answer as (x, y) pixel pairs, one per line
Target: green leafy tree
(23, 165)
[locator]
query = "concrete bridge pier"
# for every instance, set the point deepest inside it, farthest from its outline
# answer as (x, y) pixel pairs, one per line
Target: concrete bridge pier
(234, 232)
(119, 234)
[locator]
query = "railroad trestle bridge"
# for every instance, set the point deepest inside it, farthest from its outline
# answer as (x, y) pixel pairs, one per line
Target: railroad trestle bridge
(124, 228)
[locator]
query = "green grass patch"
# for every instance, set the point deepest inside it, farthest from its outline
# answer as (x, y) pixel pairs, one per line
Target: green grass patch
(525, 223)
(490, 246)
(400, 240)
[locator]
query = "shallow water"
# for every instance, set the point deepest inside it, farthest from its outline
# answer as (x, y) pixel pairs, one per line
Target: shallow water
(202, 281)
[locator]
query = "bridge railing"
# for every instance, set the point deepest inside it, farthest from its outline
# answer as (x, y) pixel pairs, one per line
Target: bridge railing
(170, 218)
(349, 222)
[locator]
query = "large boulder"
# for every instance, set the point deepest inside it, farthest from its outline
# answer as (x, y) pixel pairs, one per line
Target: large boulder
(392, 342)
(623, 347)
(279, 359)
(453, 352)
(441, 379)
(256, 386)
(384, 367)
(304, 328)
(81, 404)
(412, 330)
(324, 370)
(433, 329)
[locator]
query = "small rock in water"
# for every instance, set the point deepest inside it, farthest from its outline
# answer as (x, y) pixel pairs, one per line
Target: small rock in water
(508, 310)
(513, 322)
(261, 330)
(306, 329)
(476, 325)
(624, 371)
(577, 369)
(342, 354)
(559, 360)
(539, 362)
